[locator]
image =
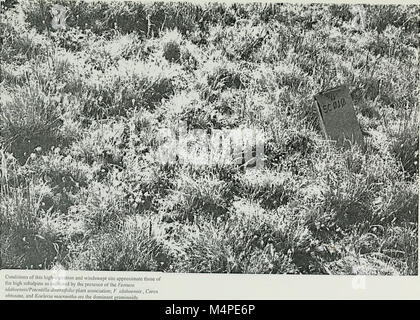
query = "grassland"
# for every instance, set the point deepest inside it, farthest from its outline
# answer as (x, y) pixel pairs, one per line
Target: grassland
(80, 109)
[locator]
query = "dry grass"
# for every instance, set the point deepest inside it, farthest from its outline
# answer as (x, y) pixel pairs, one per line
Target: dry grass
(80, 183)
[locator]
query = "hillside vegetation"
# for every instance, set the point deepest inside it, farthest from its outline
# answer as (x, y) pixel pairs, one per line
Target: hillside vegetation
(80, 187)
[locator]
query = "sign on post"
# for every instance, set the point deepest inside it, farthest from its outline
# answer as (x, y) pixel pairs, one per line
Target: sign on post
(337, 116)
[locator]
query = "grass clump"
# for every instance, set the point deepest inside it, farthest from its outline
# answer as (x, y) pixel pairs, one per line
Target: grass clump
(198, 196)
(171, 46)
(136, 248)
(30, 118)
(31, 237)
(127, 87)
(233, 245)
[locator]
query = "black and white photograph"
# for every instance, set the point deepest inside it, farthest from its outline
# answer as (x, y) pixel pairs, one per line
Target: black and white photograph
(209, 137)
